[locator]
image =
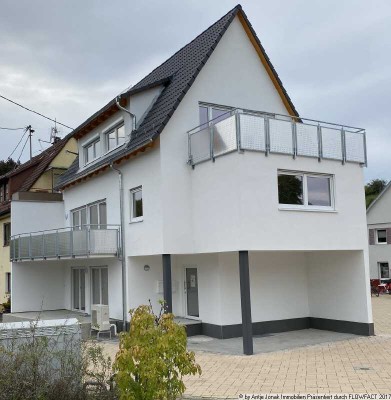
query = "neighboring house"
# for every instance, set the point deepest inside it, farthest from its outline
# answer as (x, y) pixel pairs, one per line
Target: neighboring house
(243, 243)
(379, 235)
(33, 180)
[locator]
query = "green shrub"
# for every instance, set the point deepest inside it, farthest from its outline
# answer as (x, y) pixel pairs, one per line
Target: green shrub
(53, 367)
(153, 357)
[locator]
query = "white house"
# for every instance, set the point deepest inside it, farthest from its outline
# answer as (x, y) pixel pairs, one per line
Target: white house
(379, 234)
(235, 210)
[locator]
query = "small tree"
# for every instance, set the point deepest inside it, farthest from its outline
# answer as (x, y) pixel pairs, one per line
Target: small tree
(153, 357)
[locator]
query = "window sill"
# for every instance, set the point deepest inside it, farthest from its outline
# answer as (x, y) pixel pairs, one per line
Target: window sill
(318, 210)
(136, 220)
(382, 244)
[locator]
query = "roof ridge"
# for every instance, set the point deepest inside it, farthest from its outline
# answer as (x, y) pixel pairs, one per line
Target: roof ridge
(236, 9)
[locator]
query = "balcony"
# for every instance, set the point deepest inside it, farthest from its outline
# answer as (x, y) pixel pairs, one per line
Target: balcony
(241, 130)
(90, 241)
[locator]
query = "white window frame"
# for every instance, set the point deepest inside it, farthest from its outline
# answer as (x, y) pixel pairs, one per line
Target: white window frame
(209, 108)
(8, 283)
(132, 192)
(306, 206)
(96, 140)
(86, 207)
(377, 236)
(100, 268)
(389, 271)
(111, 130)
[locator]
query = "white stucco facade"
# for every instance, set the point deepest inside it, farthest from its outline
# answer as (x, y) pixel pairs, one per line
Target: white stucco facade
(306, 267)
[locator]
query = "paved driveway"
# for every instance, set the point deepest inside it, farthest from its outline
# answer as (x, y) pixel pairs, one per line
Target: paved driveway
(344, 364)
(358, 364)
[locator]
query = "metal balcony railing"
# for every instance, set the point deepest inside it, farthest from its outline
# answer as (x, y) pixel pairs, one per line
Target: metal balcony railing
(240, 130)
(86, 241)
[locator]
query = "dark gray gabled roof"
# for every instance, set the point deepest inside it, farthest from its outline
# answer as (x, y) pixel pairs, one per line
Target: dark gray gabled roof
(177, 74)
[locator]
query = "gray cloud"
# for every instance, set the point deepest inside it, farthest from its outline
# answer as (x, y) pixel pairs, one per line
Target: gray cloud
(68, 58)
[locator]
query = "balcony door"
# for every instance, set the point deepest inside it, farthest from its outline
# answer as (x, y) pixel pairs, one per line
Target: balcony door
(100, 285)
(79, 289)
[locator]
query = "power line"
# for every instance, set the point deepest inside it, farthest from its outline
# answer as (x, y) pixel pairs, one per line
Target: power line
(20, 155)
(35, 112)
(12, 129)
(13, 151)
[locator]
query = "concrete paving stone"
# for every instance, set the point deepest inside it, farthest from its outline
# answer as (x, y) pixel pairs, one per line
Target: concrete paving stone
(295, 362)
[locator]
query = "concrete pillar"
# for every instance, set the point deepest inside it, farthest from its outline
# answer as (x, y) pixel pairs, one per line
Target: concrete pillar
(244, 274)
(167, 282)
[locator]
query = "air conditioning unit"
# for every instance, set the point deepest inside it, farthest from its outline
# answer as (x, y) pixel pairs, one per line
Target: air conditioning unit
(100, 317)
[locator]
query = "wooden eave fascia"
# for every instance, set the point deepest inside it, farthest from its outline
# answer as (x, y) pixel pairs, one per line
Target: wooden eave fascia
(103, 116)
(104, 167)
(266, 63)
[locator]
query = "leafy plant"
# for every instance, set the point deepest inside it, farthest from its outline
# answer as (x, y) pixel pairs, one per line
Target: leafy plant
(57, 366)
(153, 357)
(373, 189)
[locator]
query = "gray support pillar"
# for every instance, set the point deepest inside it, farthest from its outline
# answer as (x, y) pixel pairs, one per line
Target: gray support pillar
(167, 282)
(245, 299)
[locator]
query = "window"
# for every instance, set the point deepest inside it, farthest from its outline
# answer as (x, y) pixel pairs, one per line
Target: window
(94, 214)
(384, 270)
(116, 137)
(91, 151)
(6, 192)
(8, 282)
(306, 191)
(1, 194)
(381, 236)
(215, 113)
(136, 207)
(6, 234)
(100, 285)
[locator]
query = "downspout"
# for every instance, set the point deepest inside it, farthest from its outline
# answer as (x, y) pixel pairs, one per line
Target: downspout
(117, 100)
(123, 256)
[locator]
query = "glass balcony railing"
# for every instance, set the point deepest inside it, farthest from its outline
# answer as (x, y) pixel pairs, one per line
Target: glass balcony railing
(243, 130)
(91, 240)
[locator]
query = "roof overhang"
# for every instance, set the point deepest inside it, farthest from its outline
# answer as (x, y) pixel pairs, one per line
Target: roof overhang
(100, 116)
(101, 168)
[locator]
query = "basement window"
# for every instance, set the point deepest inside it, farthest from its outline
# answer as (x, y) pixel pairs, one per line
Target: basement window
(136, 204)
(298, 190)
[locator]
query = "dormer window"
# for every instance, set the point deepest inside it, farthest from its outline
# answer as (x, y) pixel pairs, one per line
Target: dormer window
(91, 151)
(115, 137)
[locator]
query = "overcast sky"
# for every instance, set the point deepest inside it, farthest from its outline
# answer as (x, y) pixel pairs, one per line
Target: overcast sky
(67, 58)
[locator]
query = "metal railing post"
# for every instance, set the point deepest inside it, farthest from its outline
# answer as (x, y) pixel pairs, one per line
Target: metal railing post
(320, 145)
(57, 246)
(189, 149)
(267, 135)
(88, 241)
(30, 247)
(71, 243)
(294, 138)
(43, 245)
(343, 145)
(365, 148)
(19, 247)
(211, 134)
(238, 134)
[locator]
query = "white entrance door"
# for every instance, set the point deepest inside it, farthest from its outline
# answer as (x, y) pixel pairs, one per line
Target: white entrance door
(100, 285)
(79, 289)
(191, 292)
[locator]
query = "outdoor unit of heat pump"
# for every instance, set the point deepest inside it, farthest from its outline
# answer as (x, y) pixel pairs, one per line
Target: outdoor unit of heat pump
(100, 320)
